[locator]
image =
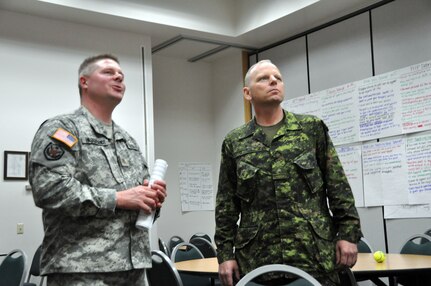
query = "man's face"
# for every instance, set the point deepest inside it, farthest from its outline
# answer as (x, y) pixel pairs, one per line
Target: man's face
(266, 86)
(105, 82)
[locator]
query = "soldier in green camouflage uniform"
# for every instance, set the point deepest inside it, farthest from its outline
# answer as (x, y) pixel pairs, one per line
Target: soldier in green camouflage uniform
(278, 174)
(87, 174)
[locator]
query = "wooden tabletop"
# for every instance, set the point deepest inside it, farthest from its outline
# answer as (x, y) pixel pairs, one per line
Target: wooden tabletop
(204, 266)
(394, 263)
(365, 264)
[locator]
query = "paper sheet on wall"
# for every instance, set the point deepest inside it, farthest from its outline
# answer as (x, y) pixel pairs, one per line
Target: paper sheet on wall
(384, 171)
(196, 187)
(415, 94)
(379, 106)
(407, 211)
(418, 149)
(307, 104)
(340, 113)
(350, 157)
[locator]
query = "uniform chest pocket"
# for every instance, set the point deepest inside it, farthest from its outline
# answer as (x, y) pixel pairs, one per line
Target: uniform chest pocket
(246, 183)
(99, 160)
(308, 167)
(128, 153)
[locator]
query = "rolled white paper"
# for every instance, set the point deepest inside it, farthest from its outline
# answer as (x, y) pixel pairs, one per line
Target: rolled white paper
(145, 221)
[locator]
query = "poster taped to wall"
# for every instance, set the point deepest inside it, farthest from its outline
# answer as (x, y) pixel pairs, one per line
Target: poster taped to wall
(196, 187)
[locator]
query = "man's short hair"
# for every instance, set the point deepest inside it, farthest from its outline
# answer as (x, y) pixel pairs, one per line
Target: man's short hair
(88, 66)
(248, 74)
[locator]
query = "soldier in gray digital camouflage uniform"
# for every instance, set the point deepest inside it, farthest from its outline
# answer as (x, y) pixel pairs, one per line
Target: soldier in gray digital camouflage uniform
(280, 175)
(89, 177)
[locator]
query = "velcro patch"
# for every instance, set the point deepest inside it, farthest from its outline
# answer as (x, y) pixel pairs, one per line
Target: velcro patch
(65, 136)
(53, 152)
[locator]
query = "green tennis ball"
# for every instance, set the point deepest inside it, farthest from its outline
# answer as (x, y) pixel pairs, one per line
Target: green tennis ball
(379, 256)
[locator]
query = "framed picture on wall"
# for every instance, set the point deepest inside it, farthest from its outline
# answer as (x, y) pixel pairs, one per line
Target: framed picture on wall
(15, 165)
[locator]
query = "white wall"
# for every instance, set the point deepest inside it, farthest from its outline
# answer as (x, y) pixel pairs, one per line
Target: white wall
(40, 60)
(227, 99)
(195, 104)
(291, 59)
(183, 133)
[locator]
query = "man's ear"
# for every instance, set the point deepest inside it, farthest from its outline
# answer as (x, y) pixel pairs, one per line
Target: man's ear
(83, 82)
(246, 92)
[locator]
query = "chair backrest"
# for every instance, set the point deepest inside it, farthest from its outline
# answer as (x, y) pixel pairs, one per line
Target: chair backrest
(164, 248)
(427, 232)
(13, 268)
(163, 271)
(364, 246)
(277, 268)
(173, 241)
(185, 251)
(347, 278)
(201, 235)
(35, 266)
(423, 247)
(204, 246)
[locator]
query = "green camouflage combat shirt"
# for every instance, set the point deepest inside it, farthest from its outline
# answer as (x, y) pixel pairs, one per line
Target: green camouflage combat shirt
(280, 191)
(75, 186)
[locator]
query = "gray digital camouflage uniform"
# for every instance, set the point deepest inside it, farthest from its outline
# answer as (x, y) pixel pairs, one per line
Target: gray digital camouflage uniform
(281, 193)
(76, 187)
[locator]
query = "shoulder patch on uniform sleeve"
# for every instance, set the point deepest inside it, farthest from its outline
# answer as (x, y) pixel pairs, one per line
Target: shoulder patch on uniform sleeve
(65, 136)
(53, 152)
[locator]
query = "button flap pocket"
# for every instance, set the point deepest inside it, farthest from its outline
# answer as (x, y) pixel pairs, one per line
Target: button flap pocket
(131, 145)
(306, 161)
(246, 181)
(246, 171)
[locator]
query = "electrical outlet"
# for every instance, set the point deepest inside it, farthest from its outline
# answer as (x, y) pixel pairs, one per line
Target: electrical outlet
(19, 228)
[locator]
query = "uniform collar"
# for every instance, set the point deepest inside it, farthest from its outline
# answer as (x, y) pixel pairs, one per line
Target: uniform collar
(98, 126)
(290, 123)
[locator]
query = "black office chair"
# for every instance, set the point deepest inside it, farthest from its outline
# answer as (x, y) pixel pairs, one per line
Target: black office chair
(187, 251)
(207, 249)
(173, 241)
(419, 244)
(35, 269)
(13, 268)
(305, 279)
(201, 235)
(427, 232)
(163, 271)
(364, 246)
(164, 248)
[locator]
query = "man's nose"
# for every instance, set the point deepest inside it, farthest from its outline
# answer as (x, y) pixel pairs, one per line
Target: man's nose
(119, 77)
(273, 80)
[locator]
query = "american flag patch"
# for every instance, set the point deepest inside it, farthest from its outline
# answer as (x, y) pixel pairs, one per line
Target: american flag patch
(65, 137)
